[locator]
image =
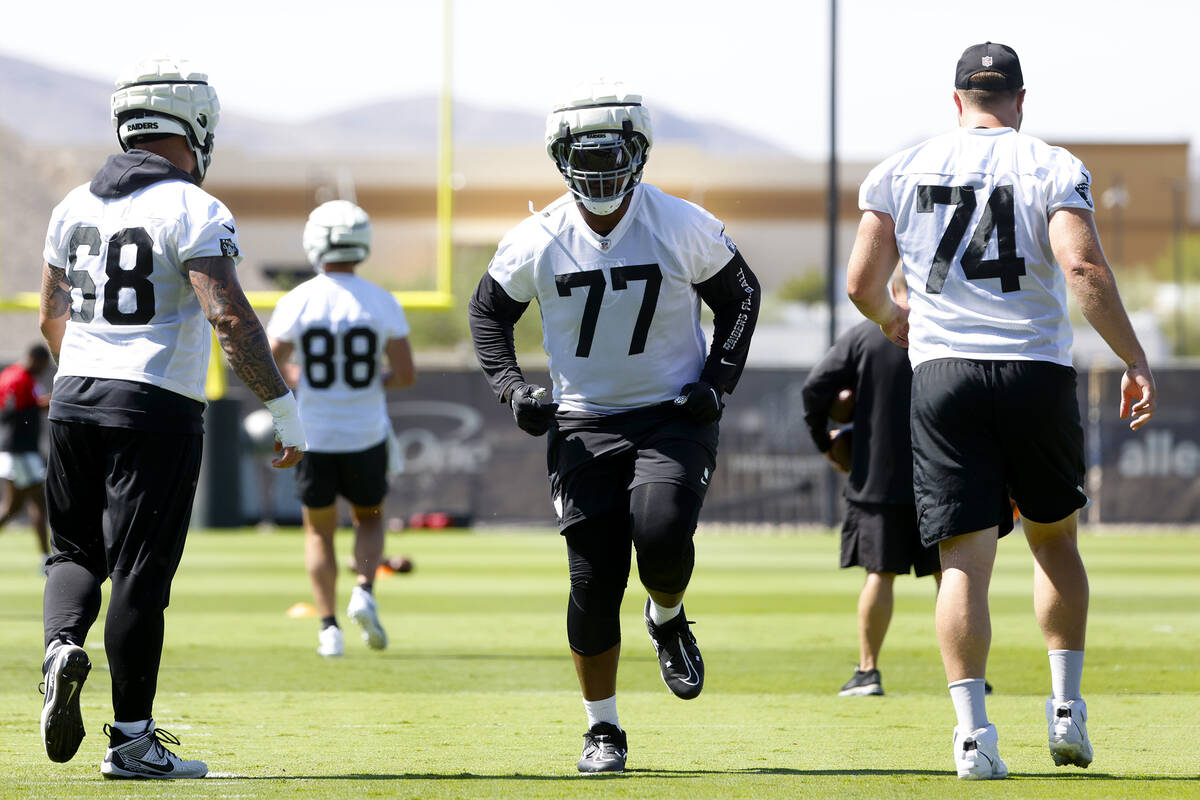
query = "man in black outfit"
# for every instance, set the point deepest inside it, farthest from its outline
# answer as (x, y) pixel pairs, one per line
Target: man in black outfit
(880, 532)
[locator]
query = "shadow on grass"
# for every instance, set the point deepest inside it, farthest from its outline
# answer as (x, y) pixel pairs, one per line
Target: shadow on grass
(699, 773)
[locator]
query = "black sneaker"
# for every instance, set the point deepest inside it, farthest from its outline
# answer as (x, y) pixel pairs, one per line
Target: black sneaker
(678, 655)
(604, 749)
(65, 669)
(862, 684)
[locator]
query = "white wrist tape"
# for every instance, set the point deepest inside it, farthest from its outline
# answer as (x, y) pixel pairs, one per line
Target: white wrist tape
(285, 414)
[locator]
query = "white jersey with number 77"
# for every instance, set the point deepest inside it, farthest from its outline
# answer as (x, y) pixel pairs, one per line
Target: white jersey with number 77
(620, 312)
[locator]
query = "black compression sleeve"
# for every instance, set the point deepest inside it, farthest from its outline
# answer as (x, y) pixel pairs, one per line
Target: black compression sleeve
(733, 295)
(492, 314)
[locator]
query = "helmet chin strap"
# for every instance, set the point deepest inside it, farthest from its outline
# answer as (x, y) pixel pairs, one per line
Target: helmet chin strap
(203, 153)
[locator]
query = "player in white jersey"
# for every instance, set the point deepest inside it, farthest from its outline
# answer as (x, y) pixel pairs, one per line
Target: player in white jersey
(619, 269)
(139, 263)
(993, 226)
(340, 326)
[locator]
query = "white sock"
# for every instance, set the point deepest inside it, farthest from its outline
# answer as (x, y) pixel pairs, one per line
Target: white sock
(660, 614)
(1066, 674)
(968, 698)
(601, 711)
(132, 729)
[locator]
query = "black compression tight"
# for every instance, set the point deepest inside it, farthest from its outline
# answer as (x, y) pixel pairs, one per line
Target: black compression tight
(659, 524)
(133, 630)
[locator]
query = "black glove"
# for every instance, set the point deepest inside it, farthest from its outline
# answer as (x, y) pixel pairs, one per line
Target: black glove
(701, 402)
(532, 414)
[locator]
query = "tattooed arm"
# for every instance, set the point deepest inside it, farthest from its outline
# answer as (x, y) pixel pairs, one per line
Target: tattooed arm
(239, 333)
(56, 306)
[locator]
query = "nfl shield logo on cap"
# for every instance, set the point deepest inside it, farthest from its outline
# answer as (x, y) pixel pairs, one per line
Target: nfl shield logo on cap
(989, 57)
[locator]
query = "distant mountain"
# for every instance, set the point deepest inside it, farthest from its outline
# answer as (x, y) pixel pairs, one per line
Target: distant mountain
(46, 107)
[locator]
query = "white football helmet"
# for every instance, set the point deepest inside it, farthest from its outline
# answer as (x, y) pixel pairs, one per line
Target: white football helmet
(166, 95)
(599, 140)
(337, 231)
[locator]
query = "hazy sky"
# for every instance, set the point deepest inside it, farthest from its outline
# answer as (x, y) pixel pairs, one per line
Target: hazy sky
(1094, 70)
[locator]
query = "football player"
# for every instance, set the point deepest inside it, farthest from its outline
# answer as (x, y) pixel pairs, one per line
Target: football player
(993, 227)
(619, 269)
(340, 327)
(139, 262)
(21, 467)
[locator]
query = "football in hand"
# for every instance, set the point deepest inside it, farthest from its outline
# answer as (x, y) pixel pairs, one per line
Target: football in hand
(842, 410)
(841, 447)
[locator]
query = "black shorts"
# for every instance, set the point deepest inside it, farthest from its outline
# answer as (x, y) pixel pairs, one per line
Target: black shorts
(984, 429)
(120, 500)
(595, 460)
(883, 537)
(359, 477)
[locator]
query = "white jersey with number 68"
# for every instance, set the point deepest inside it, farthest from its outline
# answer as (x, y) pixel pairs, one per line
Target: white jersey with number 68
(972, 210)
(134, 315)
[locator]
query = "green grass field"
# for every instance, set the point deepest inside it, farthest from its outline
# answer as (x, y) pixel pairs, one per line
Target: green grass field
(476, 696)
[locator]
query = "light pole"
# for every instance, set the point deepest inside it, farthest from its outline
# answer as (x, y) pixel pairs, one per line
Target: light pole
(831, 293)
(1178, 193)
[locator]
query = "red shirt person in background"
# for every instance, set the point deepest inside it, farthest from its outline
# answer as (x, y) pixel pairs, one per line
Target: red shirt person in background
(21, 467)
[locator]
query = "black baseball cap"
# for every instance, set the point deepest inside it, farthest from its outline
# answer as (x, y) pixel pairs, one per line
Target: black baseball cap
(989, 57)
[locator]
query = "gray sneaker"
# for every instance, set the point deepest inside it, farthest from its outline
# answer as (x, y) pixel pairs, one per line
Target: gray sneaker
(862, 684)
(146, 756)
(604, 749)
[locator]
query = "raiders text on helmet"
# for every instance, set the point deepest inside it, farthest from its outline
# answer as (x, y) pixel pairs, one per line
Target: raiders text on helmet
(599, 141)
(337, 231)
(165, 95)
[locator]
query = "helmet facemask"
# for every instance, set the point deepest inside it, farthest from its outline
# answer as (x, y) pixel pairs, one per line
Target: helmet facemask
(601, 167)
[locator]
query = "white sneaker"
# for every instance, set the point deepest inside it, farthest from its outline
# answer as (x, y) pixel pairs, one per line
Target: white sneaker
(1067, 724)
(365, 611)
(330, 642)
(977, 755)
(145, 756)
